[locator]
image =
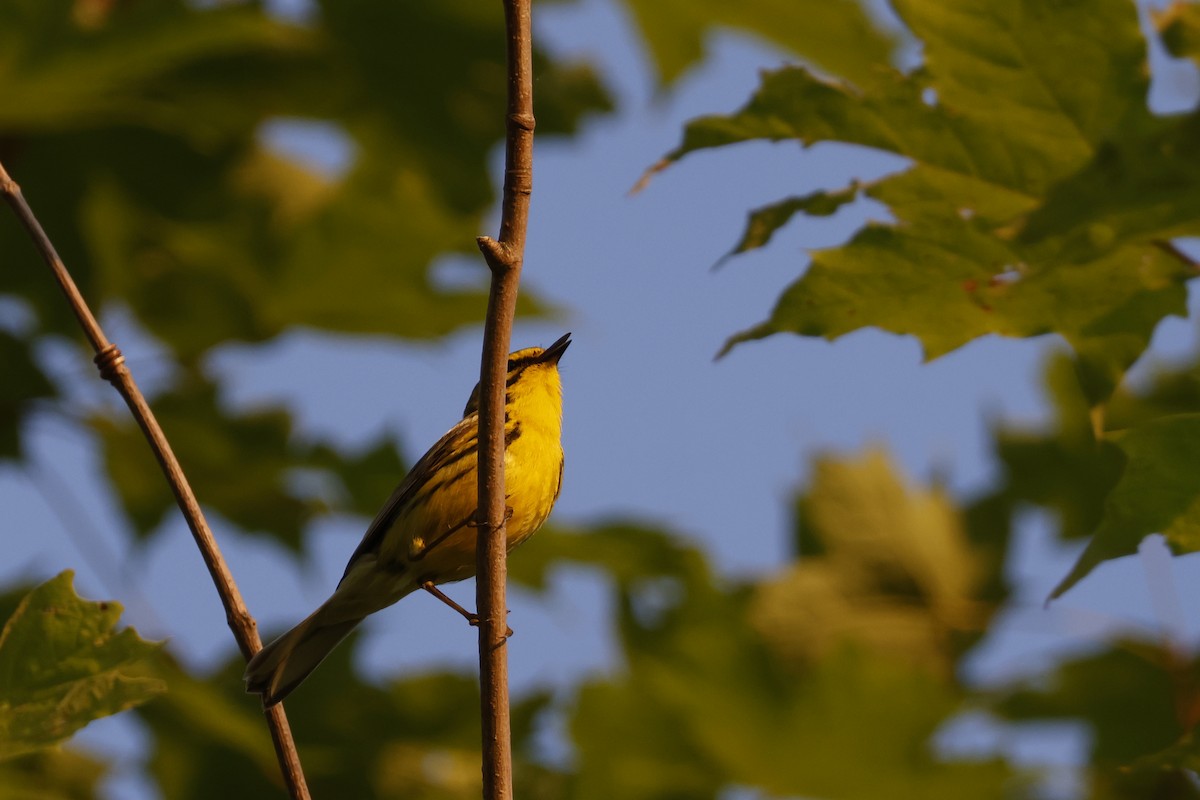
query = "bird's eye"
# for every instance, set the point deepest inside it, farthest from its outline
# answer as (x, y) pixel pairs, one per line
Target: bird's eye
(511, 365)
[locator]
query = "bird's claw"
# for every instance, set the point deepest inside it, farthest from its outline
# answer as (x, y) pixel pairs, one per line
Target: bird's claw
(473, 620)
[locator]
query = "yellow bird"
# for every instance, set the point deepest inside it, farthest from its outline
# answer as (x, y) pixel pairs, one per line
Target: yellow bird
(423, 535)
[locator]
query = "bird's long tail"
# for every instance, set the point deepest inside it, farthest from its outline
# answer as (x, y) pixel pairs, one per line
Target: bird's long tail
(282, 665)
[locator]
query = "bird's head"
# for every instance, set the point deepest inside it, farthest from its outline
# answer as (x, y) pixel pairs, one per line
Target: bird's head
(530, 370)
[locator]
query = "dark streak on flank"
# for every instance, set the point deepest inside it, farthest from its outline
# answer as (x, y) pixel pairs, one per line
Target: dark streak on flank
(471, 448)
(513, 434)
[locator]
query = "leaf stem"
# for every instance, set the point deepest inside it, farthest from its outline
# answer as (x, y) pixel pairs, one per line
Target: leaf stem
(114, 370)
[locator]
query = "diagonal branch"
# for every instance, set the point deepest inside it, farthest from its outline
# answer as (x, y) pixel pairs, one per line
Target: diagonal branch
(1172, 249)
(113, 369)
(504, 257)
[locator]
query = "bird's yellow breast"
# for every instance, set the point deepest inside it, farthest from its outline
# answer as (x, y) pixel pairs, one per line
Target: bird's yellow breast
(533, 466)
(437, 540)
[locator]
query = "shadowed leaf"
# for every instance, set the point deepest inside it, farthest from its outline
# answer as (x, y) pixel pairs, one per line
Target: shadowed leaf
(415, 737)
(52, 774)
(63, 664)
(1130, 696)
(144, 156)
(367, 478)
(1142, 186)
(1158, 492)
(1065, 468)
(238, 464)
(1179, 27)
(625, 551)
(248, 467)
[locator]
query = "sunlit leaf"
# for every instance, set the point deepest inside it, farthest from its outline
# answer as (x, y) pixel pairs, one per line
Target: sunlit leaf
(1012, 99)
(697, 669)
(720, 703)
(881, 564)
(836, 35)
(960, 284)
(63, 664)
(984, 105)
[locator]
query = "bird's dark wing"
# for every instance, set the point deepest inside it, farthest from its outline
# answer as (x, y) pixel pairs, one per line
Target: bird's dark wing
(458, 442)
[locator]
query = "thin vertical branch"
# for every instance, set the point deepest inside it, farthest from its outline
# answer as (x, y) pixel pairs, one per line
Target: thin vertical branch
(505, 258)
(114, 370)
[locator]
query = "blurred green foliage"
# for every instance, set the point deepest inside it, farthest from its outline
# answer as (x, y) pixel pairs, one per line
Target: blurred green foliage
(1036, 178)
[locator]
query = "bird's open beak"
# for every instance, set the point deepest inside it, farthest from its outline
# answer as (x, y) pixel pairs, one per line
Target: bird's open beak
(554, 352)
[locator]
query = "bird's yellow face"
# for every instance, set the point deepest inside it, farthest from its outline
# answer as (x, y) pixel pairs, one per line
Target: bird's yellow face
(532, 377)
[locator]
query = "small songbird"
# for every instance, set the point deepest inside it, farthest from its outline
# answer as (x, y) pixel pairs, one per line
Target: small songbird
(425, 535)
